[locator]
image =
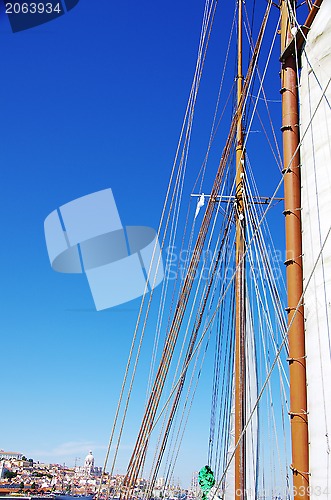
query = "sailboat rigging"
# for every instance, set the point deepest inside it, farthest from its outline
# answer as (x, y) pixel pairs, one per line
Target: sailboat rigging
(139, 451)
(219, 299)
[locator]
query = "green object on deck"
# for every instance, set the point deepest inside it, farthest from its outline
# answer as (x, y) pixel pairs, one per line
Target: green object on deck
(206, 480)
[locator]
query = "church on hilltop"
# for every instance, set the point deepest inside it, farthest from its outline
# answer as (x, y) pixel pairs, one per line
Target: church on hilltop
(88, 469)
(89, 464)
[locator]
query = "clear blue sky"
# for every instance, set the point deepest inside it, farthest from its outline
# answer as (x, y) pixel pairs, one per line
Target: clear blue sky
(92, 100)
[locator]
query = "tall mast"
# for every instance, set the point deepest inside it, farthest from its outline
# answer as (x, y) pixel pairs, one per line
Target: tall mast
(292, 185)
(240, 285)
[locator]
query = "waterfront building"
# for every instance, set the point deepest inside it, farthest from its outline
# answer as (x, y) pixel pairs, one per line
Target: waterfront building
(2, 469)
(195, 484)
(160, 482)
(10, 455)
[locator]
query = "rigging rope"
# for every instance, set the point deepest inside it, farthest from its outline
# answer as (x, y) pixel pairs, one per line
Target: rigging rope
(141, 444)
(175, 203)
(222, 298)
(137, 458)
(275, 360)
(188, 356)
(192, 98)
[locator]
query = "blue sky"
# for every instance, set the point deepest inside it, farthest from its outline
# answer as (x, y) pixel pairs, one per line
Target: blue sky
(92, 100)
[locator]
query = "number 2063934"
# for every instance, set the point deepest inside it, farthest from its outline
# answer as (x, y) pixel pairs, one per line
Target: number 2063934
(33, 8)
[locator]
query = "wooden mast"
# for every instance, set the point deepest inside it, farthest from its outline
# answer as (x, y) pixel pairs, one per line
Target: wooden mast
(240, 285)
(292, 185)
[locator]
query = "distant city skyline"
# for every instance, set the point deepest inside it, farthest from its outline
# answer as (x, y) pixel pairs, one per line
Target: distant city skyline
(53, 475)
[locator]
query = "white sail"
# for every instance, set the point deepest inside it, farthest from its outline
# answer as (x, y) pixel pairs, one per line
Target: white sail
(315, 96)
(252, 429)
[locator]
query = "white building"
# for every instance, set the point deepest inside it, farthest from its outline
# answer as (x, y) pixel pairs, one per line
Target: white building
(195, 484)
(89, 464)
(9, 455)
(160, 482)
(88, 469)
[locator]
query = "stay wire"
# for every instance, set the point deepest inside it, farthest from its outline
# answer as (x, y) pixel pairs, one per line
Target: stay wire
(177, 320)
(139, 316)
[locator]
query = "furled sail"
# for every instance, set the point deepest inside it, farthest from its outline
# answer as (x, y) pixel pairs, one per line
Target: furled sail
(315, 96)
